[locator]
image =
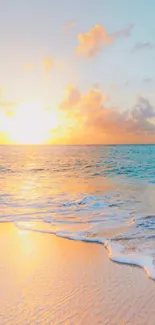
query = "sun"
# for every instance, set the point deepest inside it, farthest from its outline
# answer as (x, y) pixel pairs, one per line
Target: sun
(32, 124)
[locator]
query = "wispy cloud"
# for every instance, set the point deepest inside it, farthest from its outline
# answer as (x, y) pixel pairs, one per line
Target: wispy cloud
(92, 42)
(126, 32)
(142, 46)
(69, 25)
(147, 80)
(126, 83)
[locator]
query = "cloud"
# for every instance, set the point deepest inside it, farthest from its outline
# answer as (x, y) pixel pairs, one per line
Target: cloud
(142, 46)
(126, 83)
(126, 32)
(142, 110)
(90, 120)
(72, 97)
(147, 80)
(48, 64)
(92, 42)
(69, 25)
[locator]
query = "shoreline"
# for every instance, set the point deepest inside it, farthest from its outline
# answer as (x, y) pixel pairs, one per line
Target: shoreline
(50, 280)
(114, 250)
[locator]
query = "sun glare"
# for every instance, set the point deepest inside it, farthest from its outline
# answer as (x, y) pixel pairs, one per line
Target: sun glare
(32, 124)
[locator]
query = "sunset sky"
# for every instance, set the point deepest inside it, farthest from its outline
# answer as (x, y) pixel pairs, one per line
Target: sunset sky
(77, 72)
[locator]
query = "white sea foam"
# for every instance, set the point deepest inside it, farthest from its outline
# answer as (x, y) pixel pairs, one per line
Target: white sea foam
(94, 194)
(115, 251)
(116, 254)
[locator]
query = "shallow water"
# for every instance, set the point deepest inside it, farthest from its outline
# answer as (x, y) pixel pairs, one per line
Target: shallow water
(93, 193)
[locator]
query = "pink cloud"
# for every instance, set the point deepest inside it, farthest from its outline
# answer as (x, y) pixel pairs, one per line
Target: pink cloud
(92, 121)
(72, 97)
(92, 42)
(69, 25)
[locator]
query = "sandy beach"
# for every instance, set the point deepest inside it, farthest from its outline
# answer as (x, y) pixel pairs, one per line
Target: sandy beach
(77, 162)
(49, 280)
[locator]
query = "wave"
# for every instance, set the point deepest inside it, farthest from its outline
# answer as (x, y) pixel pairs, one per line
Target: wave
(93, 194)
(116, 252)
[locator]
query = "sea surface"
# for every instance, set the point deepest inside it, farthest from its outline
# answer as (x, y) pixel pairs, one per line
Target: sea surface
(102, 194)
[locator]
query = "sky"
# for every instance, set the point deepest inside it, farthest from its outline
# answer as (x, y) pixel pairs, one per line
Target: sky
(77, 72)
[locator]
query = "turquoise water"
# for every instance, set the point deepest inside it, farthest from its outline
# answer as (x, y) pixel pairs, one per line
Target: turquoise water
(92, 193)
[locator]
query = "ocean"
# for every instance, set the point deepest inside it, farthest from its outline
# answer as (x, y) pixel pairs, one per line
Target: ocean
(102, 194)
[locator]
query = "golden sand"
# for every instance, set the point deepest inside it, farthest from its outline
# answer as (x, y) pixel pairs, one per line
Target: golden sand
(48, 280)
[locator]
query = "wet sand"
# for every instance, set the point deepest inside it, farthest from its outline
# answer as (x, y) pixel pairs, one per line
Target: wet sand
(49, 280)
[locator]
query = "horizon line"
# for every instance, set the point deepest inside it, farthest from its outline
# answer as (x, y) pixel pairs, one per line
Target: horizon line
(73, 145)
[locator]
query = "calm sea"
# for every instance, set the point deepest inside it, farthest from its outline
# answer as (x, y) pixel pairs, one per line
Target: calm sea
(104, 194)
